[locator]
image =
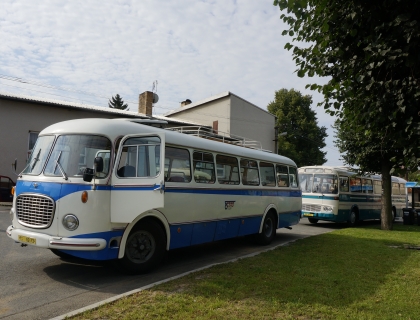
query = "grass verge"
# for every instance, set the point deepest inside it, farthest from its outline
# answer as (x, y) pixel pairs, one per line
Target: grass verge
(356, 273)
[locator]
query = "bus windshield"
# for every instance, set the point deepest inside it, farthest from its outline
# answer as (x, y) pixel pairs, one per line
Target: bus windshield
(39, 155)
(319, 183)
(74, 153)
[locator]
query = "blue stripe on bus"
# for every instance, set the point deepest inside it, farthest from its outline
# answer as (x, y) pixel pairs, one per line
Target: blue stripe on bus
(59, 190)
(239, 192)
(320, 197)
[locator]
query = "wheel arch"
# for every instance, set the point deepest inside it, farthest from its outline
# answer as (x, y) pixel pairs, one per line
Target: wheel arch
(150, 215)
(270, 209)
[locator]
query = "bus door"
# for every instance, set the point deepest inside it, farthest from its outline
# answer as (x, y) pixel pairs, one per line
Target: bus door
(138, 176)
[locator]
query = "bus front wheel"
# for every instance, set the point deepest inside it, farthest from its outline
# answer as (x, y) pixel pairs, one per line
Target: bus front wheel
(268, 232)
(352, 222)
(144, 249)
(313, 220)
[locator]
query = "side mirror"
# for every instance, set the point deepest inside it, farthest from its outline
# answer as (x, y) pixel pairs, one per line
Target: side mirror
(88, 175)
(14, 165)
(99, 164)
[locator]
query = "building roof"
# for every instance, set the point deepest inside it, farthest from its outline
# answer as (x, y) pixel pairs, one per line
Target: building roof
(88, 107)
(210, 99)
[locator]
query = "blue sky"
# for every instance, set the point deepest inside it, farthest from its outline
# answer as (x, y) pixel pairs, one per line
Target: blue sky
(194, 49)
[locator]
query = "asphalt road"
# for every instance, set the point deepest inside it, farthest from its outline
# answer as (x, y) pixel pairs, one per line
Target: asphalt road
(36, 284)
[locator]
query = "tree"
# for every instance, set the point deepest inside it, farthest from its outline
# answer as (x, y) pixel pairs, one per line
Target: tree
(369, 51)
(117, 103)
(303, 140)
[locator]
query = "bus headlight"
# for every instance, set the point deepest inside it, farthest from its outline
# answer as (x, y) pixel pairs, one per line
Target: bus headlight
(327, 209)
(70, 222)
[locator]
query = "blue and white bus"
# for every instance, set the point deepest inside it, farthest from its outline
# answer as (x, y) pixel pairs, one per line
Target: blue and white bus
(338, 194)
(117, 189)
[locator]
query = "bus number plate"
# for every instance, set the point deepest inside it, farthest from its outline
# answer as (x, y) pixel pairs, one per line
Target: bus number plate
(27, 239)
(307, 214)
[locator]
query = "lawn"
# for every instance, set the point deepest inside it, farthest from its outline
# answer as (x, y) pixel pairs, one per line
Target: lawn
(356, 273)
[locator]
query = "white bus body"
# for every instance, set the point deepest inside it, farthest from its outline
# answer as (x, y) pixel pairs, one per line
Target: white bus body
(337, 194)
(139, 205)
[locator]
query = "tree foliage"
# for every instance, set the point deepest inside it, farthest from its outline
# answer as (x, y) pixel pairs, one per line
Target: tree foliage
(369, 50)
(117, 103)
(304, 139)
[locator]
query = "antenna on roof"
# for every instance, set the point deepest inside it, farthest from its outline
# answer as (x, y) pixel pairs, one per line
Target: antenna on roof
(154, 90)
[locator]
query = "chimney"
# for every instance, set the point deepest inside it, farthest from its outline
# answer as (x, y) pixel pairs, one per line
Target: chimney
(146, 103)
(184, 103)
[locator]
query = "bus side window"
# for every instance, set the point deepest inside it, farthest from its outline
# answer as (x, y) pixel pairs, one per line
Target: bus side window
(227, 169)
(177, 165)
(377, 187)
(367, 186)
(395, 188)
(249, 171)
(355, 185)
(140, 157)
(282, 176)
(344, 184)
(268, 177)
(293, 177)
(203, 167)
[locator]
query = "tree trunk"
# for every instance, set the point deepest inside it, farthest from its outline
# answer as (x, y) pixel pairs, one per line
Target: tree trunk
(386, 212)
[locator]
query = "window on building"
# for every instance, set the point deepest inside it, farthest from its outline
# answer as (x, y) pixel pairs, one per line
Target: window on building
(33, 135)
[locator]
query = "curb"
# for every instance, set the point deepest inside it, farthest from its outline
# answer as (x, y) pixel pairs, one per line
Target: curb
(117, 297)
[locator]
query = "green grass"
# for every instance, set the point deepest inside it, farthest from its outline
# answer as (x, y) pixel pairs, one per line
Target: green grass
(356, 273)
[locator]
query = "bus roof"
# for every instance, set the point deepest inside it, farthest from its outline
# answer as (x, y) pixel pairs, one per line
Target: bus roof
(115, 128)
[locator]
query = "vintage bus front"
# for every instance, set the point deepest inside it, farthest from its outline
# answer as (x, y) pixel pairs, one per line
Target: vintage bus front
(320, 198)
(56, 207)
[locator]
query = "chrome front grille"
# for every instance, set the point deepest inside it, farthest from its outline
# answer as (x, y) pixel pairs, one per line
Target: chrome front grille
(311, 207)
(34, 210)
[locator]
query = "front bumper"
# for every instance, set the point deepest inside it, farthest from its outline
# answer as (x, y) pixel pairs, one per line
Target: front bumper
(53, 242)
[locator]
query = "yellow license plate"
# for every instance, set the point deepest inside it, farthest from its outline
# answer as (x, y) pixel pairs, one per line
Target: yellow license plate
(27, 239)
(306, 214)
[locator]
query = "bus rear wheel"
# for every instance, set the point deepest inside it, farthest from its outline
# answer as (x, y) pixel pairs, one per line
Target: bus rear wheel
(313, 220)
(353, 219)
(144, 249)
(268, 232)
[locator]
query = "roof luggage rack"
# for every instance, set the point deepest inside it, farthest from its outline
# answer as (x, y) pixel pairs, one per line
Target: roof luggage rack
(209, 133)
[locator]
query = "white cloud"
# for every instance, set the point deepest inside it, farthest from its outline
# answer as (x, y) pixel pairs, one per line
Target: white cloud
(194, 49)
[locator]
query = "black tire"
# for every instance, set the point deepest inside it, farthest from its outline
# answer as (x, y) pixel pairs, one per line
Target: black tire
(353, 219)
(268, 232)
(64, 256)
(313, 220)
(144, 249)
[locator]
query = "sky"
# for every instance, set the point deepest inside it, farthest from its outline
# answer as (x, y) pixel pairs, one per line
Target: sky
(88, 51)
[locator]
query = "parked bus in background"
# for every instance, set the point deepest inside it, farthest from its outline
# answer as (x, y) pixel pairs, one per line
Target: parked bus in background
(338, 194)
(106, 189)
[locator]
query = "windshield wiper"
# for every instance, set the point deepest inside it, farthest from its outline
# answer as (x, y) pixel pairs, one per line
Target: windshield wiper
(57, 163)
(29, 163)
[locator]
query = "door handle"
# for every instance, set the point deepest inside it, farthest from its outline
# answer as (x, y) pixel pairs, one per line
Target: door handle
(160, 188)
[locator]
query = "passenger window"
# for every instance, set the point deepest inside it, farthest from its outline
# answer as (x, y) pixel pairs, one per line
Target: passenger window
(177, 165)
(268, 176)
(355, 185)
(140, 157)
(402, 188)
(395, 189)
(203, 167)
(293, 177)
(367, 186)
(227, 169)
(344, 184)
(282, 176)
(377, 187)
(249, 172)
